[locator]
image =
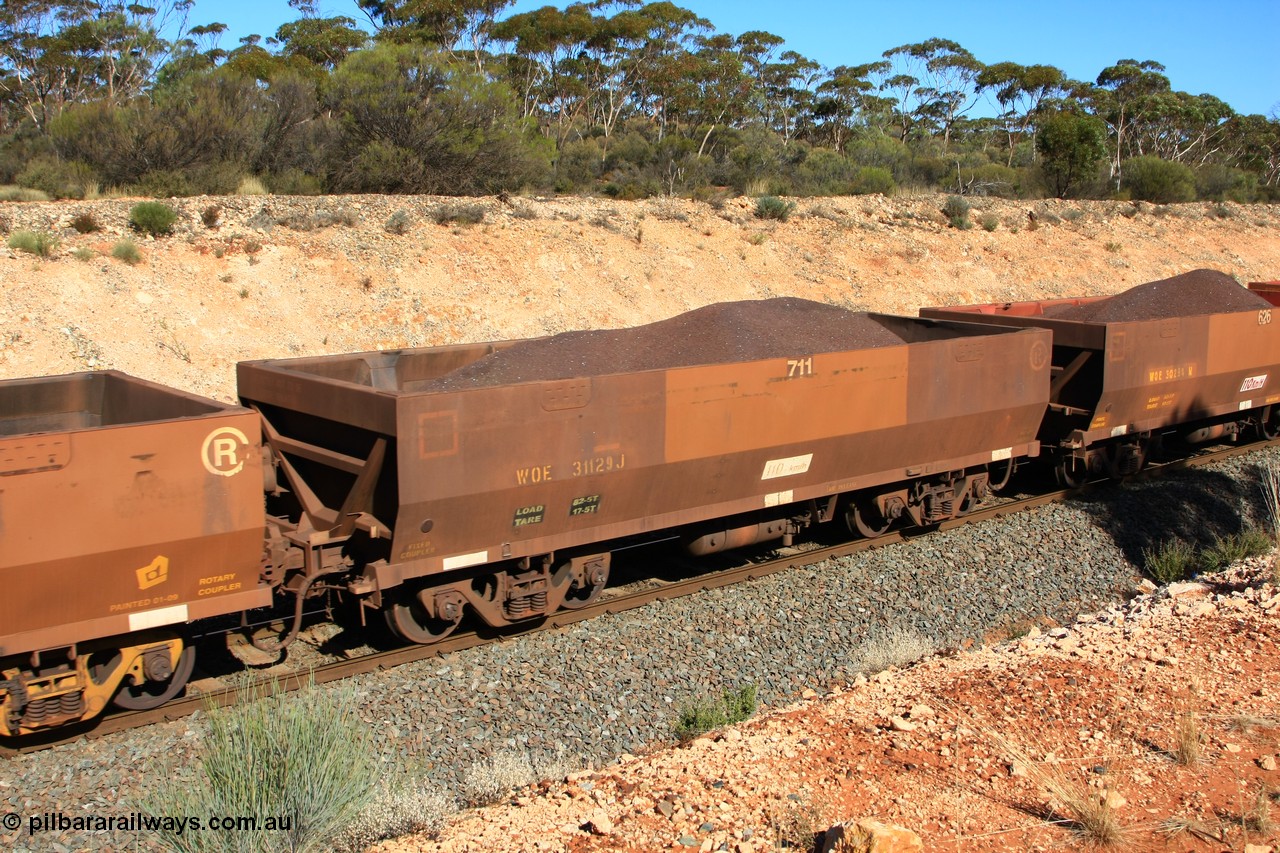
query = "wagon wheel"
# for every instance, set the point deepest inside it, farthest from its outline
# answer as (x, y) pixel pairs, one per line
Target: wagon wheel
(999, 474)
(410, 618)
(1269, 423)
(155, 692)
(1072, 473)
(968, 502)
(581, 595)
(1124, 460)
(866, 519)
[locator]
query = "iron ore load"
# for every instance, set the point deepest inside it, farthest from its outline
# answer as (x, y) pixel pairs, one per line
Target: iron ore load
(498, 478)
(1188, 359)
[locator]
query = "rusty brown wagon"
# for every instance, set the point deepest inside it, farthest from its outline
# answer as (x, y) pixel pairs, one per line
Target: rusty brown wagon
(425, 494)
(127, 509)
(1192, 358)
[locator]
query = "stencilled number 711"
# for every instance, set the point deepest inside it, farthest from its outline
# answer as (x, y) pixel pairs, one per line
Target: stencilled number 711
(799, 367)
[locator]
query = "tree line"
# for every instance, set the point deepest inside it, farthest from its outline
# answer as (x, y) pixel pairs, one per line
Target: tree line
(618, 97)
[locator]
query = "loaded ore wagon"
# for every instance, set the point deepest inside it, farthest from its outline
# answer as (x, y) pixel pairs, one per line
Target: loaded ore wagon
(127, 509)
(1192, 358)
(495, 475)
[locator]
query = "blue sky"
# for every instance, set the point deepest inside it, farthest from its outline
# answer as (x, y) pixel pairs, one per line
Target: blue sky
(1227, 48)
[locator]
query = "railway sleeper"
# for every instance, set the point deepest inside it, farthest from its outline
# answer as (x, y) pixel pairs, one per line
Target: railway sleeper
(37, 694)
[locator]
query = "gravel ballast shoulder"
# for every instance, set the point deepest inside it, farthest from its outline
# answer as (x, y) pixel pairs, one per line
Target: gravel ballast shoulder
(585, 694)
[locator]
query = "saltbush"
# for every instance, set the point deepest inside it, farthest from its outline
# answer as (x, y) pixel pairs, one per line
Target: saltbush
(1171, 561)
(306, 757)
(399, 222)
(772, 207)
(126, 250)
(40, 243)
(152, 217)
(457, 213)
(956, 210)
(1161, 181)
(704, 715)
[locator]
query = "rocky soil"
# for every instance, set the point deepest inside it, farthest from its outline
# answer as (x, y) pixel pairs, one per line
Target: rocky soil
(920, 746)
(275, 277)
(1042, 743)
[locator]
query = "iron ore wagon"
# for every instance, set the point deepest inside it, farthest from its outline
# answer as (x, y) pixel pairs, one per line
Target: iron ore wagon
(494, 475)
(1191, 358)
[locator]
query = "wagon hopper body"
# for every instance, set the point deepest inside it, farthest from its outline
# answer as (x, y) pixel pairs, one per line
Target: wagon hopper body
(444, 492)
(1200, 359)
(1268, 290)
(126, 508)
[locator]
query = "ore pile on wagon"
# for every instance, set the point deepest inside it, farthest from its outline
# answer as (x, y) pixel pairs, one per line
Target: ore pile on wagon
(1186, 359)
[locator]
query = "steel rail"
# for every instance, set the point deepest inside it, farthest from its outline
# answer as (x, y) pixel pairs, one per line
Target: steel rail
(606, 605)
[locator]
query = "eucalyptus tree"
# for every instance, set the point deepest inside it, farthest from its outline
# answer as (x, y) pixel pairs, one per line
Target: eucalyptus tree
(659, 57)
(324, 42)
(935, 83)
(443, 23)
(53, 54)
(847, 99)
(1123, 95)
(790, 89)
(1021, 90)
(551, 65)
(1181, 127)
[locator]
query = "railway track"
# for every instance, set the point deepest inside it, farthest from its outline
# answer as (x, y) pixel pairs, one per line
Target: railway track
(612, 602)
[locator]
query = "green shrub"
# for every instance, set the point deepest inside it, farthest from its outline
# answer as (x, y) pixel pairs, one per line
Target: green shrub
(57, 178)
(1224, 183)
(399, 222)
(956, 210)
(165, 183)
(772, 207)
(40, 243)
(873, 179)
(294, 182)
(84, 253)
(990, 222)
(1172, 561)
(152, 217)
(126, 250)
(458, 213)
(12, 193)
(304, 757)
(85, 223)
(1228, 549)
(704, 715)
(630, 190)
(1161, 181)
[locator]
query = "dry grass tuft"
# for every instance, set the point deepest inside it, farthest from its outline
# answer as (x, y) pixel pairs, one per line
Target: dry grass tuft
(795, 824)
(1188, 734)
(1188, 744)
(488, 781)
(1175, 826)
(1258, 817)
(1088, 812)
